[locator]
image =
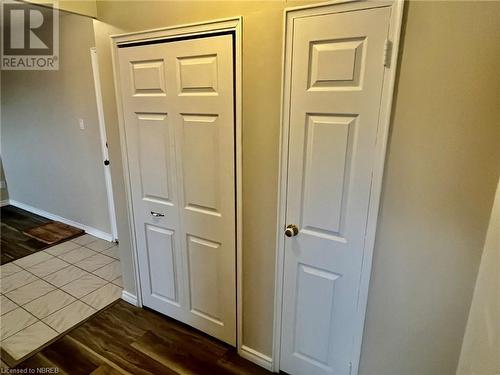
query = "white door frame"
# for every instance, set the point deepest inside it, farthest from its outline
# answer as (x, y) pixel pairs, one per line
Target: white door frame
(104, 143)
(189, 30)
(378, 164)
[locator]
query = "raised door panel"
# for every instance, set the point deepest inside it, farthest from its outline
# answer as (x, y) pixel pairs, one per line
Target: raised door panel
(336, 64)
(201, 165)
(163, 276)
(148, 77)
(328, 151)
(197, 75)
(154, 145)
(313, 325)
(204, 278)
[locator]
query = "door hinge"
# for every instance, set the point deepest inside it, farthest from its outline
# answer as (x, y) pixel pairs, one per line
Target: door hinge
(387, 53)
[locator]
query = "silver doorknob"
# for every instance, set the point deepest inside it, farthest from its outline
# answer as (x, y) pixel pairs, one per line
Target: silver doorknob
(291, 230)
(157, 214)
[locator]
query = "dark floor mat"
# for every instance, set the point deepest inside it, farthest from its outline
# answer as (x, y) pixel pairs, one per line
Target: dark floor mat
(14, 243)
(54, 232)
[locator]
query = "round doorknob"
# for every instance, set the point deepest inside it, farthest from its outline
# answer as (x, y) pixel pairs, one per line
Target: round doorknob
(291, 230)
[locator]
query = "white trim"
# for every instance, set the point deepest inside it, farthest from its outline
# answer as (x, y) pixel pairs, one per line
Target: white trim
(238, 23)
(5, 202)
(225, 24)
(90, 230)
(130, 298)
(378, 167)
(104, 140)
(209, 27)
(394, 35)
(256, 357)
(126, 175)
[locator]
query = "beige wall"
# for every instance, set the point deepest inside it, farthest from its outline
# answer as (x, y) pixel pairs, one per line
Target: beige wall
(440, 178)
(49, 162)
(441, 173)
(481, 346)
(82, 7)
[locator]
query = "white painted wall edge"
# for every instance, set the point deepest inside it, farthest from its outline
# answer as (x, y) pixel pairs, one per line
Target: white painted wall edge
(256, 357)
(90, 230)
(130, 298)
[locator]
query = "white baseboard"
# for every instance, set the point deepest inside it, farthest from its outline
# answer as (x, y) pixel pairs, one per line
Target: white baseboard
(5, 202)
(256, 357)
(130, 298)
(93, 231)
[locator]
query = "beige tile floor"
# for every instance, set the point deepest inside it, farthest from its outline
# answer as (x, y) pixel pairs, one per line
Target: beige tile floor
(45, 294)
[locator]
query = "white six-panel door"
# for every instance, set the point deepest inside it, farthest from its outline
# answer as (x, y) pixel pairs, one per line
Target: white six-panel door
(336, 87)
(179, 123)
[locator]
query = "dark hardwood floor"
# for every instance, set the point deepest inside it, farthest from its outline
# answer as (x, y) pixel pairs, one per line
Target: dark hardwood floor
(14, 243)
(124, 339)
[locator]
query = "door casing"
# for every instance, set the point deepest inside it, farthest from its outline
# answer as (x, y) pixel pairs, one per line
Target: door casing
(378, 164)
(186, 31)
(104, 143)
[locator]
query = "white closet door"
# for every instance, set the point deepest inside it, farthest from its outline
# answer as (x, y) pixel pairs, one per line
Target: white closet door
(178, 110)
(336, 82)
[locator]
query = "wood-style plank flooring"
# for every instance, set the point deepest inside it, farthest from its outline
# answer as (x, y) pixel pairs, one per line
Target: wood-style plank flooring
(124, 339)
(14, 243)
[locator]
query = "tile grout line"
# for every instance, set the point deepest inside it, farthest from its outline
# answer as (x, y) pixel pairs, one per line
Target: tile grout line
(29, 325)
(41, 319)
(92, 272)
(59, 287)
(41, 295)
(95, 310)
(56, 287)
(106, 282)
(69, 264)
(58, 334)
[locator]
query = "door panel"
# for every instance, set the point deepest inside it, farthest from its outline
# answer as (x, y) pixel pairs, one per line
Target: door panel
(312, 345)
(204, 278)
(327, 138)
(154, 156)
(198, 75)
(179, 123)
(161, 261)
(200, 148)
(148, 77)
(336, 82)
